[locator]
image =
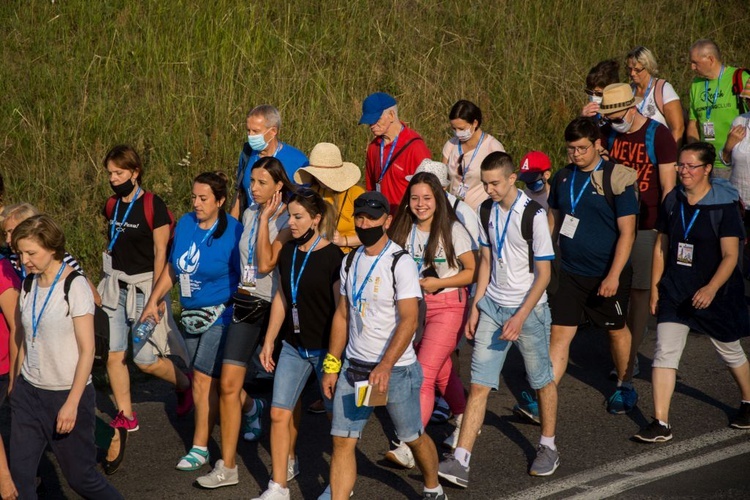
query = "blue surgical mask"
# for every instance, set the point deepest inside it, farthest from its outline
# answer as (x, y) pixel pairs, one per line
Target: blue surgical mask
(535, 186)
(257, 142)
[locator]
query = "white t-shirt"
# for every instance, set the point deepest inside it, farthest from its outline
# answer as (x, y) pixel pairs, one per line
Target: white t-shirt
(648, 107)
(53, 365)
(373, 321)
(515, 253)
(740, 176)
(471, 163)
(467, 216)
(265, 283)
(461, 244)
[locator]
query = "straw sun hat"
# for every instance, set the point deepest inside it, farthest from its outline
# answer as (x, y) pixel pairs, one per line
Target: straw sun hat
(618, 97)
(329, 169)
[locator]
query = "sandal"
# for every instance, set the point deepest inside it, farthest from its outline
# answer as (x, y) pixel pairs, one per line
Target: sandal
(195, 458)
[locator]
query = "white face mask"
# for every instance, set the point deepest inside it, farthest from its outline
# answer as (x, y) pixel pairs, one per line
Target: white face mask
(464, 135)
(623, 127)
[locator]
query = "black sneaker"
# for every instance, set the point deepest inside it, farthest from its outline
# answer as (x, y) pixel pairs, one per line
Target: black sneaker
(654, 432)
(742, 419)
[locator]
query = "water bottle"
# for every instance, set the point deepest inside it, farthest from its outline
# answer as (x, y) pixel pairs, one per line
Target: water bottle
(142, 333)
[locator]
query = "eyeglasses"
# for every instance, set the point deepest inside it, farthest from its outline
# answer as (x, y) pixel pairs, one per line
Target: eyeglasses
(594, 93)
(461, 165)
(578, 149)
(681, 166)
(637, 71)
(376, 204)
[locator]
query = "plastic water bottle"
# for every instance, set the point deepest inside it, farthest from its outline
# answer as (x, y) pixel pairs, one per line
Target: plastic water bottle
(142, 333)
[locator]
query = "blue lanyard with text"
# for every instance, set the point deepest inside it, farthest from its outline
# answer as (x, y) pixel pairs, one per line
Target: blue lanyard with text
(712, 104)
(385, 166)
(501, 239)
(645, 95)
(113, 233)
(252, 240)
(357, 294)
(295, 282)
(34, 318)
(460, 152)
(191, 255)
(686, 229)
(574, 202)
(420, 260)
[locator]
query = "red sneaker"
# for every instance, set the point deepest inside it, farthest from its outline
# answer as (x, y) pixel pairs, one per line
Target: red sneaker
(124, 422)
(185, 398)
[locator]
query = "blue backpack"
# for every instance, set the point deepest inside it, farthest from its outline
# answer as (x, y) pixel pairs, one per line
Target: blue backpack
(650, 134)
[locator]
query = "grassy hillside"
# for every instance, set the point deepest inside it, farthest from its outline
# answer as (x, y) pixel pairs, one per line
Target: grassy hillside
(176, 78)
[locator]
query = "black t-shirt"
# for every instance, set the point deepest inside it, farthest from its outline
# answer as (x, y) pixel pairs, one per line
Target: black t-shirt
(315, 302)
(133, 252)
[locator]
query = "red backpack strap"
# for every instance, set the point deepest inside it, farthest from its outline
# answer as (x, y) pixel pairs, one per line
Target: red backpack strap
(737, 85)
(148, 209)
(109, 208)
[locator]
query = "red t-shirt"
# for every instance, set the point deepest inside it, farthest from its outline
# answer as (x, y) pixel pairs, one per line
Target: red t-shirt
(394, 183)
(630, 150)
(8, 279)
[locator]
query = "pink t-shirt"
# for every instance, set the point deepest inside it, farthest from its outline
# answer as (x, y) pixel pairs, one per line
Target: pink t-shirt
(8, 279)
(471, 163)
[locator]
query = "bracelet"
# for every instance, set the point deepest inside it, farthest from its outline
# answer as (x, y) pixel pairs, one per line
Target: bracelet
(346, 241)
(331, 364)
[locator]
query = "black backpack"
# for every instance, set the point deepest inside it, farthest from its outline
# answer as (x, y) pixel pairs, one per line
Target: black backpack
(527, 223)
(396, 256)
(101, 320)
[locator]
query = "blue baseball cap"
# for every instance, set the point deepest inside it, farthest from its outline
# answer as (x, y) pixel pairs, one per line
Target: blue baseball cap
(374, 105)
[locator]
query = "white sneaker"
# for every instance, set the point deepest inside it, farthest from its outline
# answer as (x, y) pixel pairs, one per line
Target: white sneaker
(274, 492)
(292, 469)
(401, 455)
(452, 440)
(220, 476)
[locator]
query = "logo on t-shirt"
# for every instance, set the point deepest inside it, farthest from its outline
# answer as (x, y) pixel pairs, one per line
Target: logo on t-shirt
(185, 264)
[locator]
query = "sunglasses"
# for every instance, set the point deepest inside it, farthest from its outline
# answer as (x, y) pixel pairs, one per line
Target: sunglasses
(305, 193)
(594, 93)
(616, 121)
(376, 204)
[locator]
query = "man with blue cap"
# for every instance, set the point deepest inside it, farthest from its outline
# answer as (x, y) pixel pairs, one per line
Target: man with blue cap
(394, 153)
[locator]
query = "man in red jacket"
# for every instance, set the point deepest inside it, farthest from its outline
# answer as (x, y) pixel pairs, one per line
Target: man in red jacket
(394, 153)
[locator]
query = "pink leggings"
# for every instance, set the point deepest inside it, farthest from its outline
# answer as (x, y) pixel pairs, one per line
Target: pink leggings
(444, 325)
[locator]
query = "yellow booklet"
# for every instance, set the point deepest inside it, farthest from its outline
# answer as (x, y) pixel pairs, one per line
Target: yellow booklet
(368, 395)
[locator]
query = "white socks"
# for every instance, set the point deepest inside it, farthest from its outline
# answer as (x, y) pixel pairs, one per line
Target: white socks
(463, 456)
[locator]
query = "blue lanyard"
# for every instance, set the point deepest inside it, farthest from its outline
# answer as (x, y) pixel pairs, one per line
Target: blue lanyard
(191, 255)
(460, 152)
(645, 95)
(712, 104)
(687, 228)
(501, 239)
(295, 282)
(357, 294)
(253, 237)
(385, 166)
(34, 318)
(420, 261)
(574, 202)
(114, 234)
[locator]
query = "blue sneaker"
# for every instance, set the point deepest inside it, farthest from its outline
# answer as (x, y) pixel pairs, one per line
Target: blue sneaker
(528, 409)
(622, 401)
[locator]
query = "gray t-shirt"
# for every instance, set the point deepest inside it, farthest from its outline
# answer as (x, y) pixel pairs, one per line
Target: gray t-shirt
(50, 363)
(265, 283)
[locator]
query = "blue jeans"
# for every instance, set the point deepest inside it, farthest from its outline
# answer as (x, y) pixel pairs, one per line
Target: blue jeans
(489, 353)
(403, 405)
(294, 367)
(120, 328)
(206, 349)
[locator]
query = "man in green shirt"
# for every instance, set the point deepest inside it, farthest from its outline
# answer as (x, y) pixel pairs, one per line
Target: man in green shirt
(713, 107)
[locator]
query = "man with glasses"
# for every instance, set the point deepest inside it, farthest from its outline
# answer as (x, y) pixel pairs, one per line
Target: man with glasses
(649, 148)
(375, 322)
(596, 230)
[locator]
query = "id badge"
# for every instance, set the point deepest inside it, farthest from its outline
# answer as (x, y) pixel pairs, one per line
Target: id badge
(463, 189)
(569, 226)
(33, 354)
(685, 254)
(362, 308)
(295, 318)
(501, 272)
(107, 263)
(249, 275)
(185, 289)
(708, 131)
(377, 187)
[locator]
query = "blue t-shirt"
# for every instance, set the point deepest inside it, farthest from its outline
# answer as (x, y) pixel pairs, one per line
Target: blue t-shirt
(215, 264)
(592, 248)
(291, 158)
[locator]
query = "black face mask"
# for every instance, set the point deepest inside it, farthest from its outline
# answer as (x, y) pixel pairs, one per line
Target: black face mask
(307, 236)
(369, 236)
(123, 189)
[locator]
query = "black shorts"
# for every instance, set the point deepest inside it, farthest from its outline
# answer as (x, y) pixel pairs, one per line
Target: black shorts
(243, 339)
(4, 384)
(577, 299)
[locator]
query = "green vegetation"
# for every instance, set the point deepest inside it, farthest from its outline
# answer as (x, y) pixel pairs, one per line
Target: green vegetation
(178, 77)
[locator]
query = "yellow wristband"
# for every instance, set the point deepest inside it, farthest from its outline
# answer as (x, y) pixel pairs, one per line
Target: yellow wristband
(331, 364)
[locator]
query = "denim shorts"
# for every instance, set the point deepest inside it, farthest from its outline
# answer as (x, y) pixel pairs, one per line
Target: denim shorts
(489, 351)
(296, 364)
(206, 350)
(403, 405)
(120, 328)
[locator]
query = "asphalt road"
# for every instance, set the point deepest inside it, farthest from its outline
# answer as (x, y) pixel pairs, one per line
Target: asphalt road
(599, 460)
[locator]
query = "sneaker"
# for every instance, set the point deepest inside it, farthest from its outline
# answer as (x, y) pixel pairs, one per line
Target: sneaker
(433, 495)
(452, 440)
(317, 408)
(654, 432)
(742, 419)
(401, 456)
(292, 469)
(546, 462)
(274, 492)
(220, 476)
(185, 398)
(451, 470)
(623, 400)
(528, 409)
(441, 413)
(251, 429)
(326, 495)
(124, 422)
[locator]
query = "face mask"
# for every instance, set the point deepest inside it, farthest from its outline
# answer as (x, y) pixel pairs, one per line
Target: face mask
(535, 186)
(307, 236)
(257, 142)
(123, 189)
(369, 236)
(596, 98)
(464, 135)
(623, 127)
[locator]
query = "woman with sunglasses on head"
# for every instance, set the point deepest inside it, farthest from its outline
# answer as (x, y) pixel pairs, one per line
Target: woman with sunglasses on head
(464, 152)
(265, 224)
(697, 284)
(302, 311)
(441, 246)
(205, 262)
